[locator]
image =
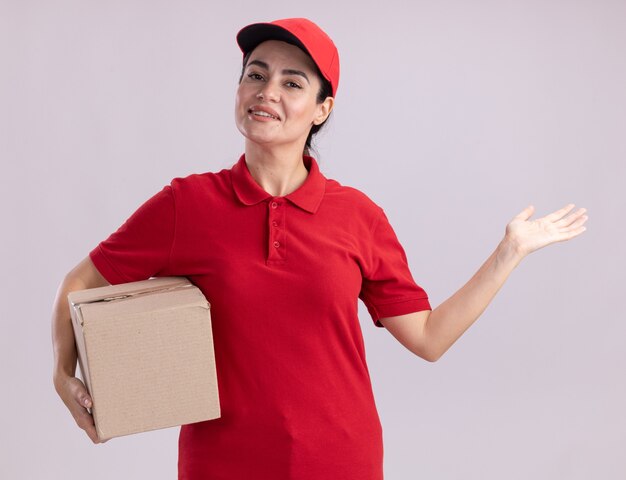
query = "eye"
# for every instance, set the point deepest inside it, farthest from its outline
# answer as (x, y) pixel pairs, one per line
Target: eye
(293, 85)
(255, 76)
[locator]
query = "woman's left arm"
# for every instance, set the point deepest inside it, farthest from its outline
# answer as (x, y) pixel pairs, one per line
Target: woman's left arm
(429, 334)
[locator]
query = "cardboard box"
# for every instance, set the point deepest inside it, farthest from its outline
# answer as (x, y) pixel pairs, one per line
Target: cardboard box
(146, 355)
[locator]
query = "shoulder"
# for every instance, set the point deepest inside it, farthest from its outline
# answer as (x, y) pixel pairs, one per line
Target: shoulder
(351, 199)
(350, 206)
(202, 184)
(200, 180)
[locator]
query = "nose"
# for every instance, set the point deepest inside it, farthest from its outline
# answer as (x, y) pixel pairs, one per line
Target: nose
(269, 92)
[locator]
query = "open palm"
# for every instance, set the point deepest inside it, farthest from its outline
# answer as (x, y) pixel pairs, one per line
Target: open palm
(530, 235)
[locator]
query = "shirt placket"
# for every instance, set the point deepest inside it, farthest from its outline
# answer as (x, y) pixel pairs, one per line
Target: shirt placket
(276, 231)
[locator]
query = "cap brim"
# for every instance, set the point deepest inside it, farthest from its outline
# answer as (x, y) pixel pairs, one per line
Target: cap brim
(249, 37)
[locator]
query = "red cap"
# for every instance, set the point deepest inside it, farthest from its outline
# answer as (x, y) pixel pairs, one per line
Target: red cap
(300, 32)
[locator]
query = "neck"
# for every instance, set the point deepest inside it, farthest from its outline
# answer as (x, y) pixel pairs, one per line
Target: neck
(279, 171)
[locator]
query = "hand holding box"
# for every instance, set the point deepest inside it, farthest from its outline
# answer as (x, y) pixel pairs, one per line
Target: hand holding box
(146, 355)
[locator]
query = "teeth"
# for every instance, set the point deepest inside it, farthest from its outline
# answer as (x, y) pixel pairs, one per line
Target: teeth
(263, 114)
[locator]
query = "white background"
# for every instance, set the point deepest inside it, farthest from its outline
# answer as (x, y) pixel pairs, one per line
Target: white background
(451, 115)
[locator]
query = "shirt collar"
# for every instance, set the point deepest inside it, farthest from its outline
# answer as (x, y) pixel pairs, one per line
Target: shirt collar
(308, 196)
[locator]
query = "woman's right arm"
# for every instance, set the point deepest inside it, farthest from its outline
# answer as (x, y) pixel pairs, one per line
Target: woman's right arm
(71, 390)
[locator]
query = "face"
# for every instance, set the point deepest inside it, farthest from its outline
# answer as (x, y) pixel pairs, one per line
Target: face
(277, 98)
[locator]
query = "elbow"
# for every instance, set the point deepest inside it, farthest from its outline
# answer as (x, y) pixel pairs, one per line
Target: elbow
(432, 358)
(431, 355)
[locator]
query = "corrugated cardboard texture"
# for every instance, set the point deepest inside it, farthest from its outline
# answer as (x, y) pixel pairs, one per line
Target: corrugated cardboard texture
(146, 355)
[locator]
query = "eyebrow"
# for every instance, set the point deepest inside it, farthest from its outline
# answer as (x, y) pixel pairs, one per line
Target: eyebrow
(287, 71)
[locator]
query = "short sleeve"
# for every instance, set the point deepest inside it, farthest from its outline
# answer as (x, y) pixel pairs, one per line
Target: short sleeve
(388, 288)
(141, 247)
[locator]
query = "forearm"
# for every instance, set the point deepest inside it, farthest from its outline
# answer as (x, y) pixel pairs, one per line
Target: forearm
(453, 317)
(84, 275)
(431, 334)
(62, 332)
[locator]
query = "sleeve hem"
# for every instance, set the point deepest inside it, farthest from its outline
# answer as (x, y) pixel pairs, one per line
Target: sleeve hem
(105, 268)
(172, 245)
(401, 307)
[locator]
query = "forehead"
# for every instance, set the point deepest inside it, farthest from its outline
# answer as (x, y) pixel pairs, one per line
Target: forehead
(285, 54)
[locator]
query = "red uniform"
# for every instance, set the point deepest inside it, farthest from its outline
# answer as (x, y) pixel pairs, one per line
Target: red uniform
(283, 276)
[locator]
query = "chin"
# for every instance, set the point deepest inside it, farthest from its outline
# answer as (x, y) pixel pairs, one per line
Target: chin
(256, 135)
(259, 139)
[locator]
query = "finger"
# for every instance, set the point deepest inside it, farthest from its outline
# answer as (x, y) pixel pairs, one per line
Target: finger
(80, 394)
(85, 421)
(83, 400)
(82, 416)
(525, 214)
(92, 434)
(554, 216)
(572, 233)
(86, 401)
(570, 219)
(579, 222)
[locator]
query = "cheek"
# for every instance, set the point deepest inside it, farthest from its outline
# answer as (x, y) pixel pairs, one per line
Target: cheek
(304, 111)
(240, 104)
(238, 99)
(240, 113)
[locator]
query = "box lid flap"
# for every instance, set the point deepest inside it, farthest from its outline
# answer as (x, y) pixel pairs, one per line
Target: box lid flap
(113, 292)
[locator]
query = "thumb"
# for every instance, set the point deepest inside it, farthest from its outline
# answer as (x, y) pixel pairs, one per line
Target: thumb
(525, 214)
(81, 395)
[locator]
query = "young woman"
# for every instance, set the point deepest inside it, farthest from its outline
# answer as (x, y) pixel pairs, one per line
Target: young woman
(283, 254)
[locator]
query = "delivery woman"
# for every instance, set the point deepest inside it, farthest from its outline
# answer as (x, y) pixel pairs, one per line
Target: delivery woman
(283, 254)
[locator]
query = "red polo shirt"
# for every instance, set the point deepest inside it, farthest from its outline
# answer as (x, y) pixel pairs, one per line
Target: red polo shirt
(283, 276)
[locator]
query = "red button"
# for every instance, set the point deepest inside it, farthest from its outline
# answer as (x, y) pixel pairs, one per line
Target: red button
(274, 205)
(277, 244)
(275, 223)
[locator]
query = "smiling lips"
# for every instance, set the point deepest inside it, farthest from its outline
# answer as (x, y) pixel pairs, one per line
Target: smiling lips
(264, 112)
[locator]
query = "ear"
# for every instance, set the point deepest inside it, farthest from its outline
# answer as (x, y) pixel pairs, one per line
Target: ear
(323, 110)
